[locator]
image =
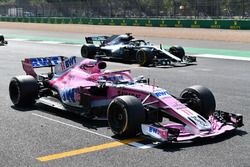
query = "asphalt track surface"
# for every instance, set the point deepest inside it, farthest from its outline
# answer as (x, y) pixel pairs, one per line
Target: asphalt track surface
(29, 135)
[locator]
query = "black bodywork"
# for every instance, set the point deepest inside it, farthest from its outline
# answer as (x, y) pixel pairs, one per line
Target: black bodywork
(127, 49)
(2, 40)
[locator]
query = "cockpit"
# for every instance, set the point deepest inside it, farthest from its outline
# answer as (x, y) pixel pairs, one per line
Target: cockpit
(118, 39)
(92, 66)
(117, 78)
(138, 42)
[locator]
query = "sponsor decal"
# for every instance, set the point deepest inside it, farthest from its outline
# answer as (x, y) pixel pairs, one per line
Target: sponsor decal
(198, 121)
(153, 130)
(121, 92)
(47, 61)
(71, 95)
(162, 133)
(68, 63)
(161, 93)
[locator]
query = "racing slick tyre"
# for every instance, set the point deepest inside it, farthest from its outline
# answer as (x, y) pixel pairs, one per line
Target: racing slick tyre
(202, 100)
(1, 38)
(125, 116)
(178, 51)
(23, 90)
(144, 57)
(2, 41)
(88, 51)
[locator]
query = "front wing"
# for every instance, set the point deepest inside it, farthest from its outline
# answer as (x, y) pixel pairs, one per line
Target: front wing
(221, 122)
(170, 59)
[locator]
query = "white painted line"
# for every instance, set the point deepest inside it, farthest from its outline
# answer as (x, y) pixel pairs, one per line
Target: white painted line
(135, 144)
(16, 39)
(222, 57)
(73, 126)
(142, 146)
(50, 42)
(76, 45)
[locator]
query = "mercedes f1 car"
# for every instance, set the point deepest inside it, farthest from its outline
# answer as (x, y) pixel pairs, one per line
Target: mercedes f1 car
(126, 48)
(2, 40)
(132, 106)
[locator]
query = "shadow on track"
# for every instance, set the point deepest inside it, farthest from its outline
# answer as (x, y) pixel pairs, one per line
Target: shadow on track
(95, 124)
(150, 66)
(24, 109)
(173, 147)
(84, 121)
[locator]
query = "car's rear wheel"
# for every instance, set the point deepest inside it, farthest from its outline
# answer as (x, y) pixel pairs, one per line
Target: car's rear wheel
(201, 100)
(177, 51)
(125, 116)
(23, 90)
(1, 38)
(88, 51)
(144, 57)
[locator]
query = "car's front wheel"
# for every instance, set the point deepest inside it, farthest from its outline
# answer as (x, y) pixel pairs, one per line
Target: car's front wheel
(200, 99)
(177, 51)
(23, 90)
(125, 116)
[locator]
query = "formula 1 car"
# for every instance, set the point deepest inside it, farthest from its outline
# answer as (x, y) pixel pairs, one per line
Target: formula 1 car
(2, 41)
(126, 48)
(131, 105)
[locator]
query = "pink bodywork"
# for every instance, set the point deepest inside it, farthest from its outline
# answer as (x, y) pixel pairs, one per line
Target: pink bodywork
(86, 74)
(90, 73)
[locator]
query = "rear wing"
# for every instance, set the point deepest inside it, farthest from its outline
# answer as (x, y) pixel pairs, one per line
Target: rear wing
(30, 63)
(91, 40)
(44, 61)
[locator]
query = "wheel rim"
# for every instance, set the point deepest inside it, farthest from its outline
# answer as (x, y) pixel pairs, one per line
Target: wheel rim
(196, 102)
(176, 52)
(172, 50)
(117, 119)
(142, 57)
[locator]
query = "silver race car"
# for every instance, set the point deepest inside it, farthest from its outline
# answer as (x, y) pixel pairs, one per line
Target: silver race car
(127, 49)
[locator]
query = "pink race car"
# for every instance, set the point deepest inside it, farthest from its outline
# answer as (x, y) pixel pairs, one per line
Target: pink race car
(131, 105)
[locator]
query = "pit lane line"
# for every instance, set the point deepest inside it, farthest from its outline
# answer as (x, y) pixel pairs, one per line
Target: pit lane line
(87, 150)
(116, 143)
